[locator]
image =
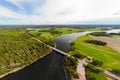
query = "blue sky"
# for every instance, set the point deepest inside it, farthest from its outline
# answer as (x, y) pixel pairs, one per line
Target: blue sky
(59, 12)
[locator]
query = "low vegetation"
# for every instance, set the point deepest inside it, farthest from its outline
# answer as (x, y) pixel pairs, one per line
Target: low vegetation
(68, 30)
(45, 37)
(94, 74)
(99, 34)
(71, 65)
(105, 54)
(97, 62)
(116, 71)
(97, 42)
(93, 68)
(114, 33)
(18, 49)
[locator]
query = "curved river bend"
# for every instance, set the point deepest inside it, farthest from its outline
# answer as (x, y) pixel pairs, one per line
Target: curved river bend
(51, 66)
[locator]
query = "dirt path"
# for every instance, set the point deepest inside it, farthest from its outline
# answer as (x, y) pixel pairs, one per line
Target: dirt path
(112, 75)
(112, 42)
(81, 70)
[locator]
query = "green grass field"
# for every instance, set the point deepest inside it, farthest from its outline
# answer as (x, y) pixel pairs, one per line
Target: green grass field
(109, 57)
(68, 30)
(14, 32)
(99, 76)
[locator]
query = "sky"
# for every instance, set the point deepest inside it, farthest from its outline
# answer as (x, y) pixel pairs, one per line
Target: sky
(41, 12)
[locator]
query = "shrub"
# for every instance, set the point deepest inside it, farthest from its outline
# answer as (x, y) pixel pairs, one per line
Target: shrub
(72, 44)
(99, 34)
(88, 74)
(78, 55)
(96, 42)
(71, 62)
(90, 77)
(72, 48)
(97, 63)
(114, 33)
(71, 65)
(93, 68)
(116, 71)
(53, 31)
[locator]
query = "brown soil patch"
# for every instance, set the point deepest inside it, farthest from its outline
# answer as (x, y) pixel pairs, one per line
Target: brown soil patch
(111, 42)
(109, 78)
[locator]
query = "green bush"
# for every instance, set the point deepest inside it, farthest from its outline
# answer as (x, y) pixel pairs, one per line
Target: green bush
(72, 44)
(96, 42)
(97, 63)
(99, 34)
(78, 55)
(93, 68)
(72, 48)
(116, 71)
(53, 31)
(114, 34)
(71, 65)
(89, 76)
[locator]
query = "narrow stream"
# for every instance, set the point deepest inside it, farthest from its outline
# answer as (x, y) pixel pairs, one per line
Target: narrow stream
(51, 66)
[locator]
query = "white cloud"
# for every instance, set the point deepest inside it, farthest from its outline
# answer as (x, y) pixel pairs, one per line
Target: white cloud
(79, 10)
(16, 3)
(5, 12)
(19, 3)
(65, 11)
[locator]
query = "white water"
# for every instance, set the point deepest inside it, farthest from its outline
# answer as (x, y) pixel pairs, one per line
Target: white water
(113, 31)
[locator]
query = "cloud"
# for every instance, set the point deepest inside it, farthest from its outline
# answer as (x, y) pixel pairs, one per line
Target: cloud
(7, 13)
(63, 11)
(117, 13)
(19, 3)
(79, 10)
(16, 3)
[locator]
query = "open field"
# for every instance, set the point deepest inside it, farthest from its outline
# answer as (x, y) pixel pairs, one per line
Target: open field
(68, 30)
(112, 42)
(109, 57)
(45, 37)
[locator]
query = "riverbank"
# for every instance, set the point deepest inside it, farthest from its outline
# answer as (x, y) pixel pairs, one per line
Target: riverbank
(20, 68)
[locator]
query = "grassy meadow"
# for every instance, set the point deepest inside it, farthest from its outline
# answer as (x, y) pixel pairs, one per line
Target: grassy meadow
(109, 57)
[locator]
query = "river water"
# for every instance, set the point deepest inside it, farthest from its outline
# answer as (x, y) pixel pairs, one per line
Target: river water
(51, 66)
(113, 31)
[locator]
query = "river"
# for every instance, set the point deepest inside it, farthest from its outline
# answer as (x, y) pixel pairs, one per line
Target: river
(51, 66)
(113, 31)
